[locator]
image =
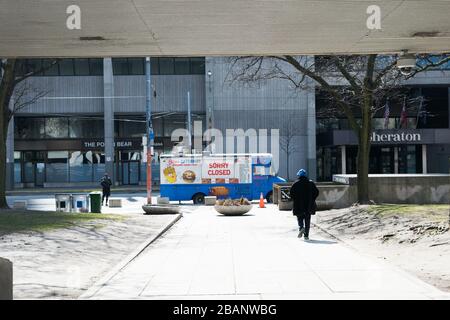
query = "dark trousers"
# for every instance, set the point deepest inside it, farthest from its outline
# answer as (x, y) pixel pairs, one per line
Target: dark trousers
(304, 221)
(106, 195)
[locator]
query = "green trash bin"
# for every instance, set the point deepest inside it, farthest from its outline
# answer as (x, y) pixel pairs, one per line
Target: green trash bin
(96, 202)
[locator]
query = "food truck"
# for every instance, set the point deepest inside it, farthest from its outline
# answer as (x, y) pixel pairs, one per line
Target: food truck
(194, 176)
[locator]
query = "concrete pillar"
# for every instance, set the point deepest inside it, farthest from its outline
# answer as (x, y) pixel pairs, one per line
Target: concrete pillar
(209, 68)
(395, 159)
(6, 279)
(10, 156)
(343, 160)
(311, 129)
(108, 94)
(424, 158)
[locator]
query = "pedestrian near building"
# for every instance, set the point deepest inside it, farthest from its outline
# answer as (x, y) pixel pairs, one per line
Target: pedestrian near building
(304, 194)
(106, 188)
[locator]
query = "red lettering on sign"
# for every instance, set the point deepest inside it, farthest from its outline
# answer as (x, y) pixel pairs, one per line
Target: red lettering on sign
(219, 172)
(216, 165)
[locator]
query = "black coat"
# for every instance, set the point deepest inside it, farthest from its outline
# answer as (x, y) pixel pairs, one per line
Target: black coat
(304, 194)
(106, 184)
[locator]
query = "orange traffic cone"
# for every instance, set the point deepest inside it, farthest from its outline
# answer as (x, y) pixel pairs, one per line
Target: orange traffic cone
(261, 201)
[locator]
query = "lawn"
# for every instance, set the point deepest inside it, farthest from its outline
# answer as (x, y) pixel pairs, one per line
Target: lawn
(24, 221)
(437, 212)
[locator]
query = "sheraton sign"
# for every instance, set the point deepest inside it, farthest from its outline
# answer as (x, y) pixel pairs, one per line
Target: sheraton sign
(387, 137)
(396, 137)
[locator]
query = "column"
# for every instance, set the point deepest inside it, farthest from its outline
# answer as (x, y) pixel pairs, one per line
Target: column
(10, 156)
(209, 66)
(108, 102)
(343, 160)
(395, 160)
(424, 158)
(311, 128)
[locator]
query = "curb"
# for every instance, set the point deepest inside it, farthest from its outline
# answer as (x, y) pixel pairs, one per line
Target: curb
(92, 290)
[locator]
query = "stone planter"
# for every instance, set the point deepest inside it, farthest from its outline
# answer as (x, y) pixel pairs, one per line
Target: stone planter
(233, 210)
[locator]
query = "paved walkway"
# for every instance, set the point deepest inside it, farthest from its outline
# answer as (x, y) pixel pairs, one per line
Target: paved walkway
(257, 256)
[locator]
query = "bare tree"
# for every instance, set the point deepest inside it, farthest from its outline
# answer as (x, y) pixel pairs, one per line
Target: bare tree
(358, 86)
(287, 136)
(12, 83)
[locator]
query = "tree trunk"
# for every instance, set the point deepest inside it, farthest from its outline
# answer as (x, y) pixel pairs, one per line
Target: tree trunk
(6, 89)
(363, 170)
(364, 150)
(3, 134)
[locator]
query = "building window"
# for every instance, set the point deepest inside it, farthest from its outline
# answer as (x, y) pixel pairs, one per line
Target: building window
(174, 122)
(81, 67)
(51, 67)
(17, 167)
(98, 160)
(29, 128)
(56, 128)
(182, 66)
(57, 170)
(66, 67)
(80, 165)
(136, 66)
(166, 66)
(86, 128)
(96, 67)
(197, 65)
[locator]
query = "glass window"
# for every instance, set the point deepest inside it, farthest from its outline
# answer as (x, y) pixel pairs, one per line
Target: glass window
(17, 167)
(29, 128)
(66, 67)
(57, 170)
(157, 127)
(174, 122)
(197, 65)
(96, 67)
(136, 66)
(33, 65)
(154, 62)
(182, 66)
(80, 165)
(86, 128)
(98, 160)
(51, 67)
(56, 128)
(120, 66)
(21, 67)
(81, 67)
(130, 127)
(166, 66)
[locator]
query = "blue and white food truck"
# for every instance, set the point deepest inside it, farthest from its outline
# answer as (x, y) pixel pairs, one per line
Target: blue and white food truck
(194, 176)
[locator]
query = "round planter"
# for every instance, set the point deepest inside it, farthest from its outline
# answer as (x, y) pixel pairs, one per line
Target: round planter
(233, 210)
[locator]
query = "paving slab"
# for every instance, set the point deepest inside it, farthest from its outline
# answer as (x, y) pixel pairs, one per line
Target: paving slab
(257, 256)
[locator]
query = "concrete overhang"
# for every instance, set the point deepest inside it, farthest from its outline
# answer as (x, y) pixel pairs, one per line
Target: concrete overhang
(37, 28)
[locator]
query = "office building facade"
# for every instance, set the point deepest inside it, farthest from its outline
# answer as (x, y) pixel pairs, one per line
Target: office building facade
(91, 120)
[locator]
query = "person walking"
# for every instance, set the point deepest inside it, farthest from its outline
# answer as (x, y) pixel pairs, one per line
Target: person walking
(106, 186)
(304, 194)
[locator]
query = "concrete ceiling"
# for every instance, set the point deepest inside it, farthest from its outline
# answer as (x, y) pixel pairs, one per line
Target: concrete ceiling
(37, 28)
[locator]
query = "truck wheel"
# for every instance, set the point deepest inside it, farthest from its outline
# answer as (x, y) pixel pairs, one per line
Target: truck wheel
(199, 198)
(269, 197)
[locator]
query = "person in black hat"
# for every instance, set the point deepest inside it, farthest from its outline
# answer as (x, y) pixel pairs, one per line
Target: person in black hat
(304, 194)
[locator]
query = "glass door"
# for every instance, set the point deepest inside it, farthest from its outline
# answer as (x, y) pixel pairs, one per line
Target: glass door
(40, 174)
(130, 172)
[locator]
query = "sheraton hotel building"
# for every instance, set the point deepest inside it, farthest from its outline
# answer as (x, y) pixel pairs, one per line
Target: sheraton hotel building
(91, 119)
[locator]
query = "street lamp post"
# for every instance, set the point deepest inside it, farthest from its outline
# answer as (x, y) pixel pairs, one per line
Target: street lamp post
(150, 135)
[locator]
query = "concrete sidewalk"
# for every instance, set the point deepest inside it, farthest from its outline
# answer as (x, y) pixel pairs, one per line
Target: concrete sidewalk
(257, 256)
